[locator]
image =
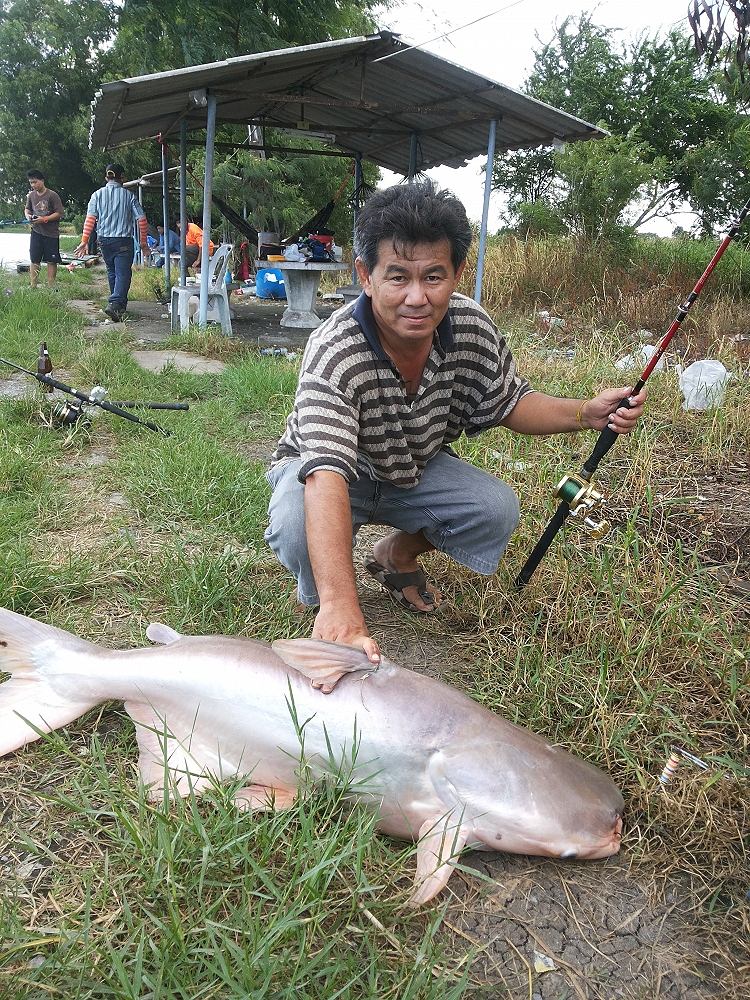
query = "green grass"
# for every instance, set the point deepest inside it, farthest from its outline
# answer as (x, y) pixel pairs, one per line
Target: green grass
(191, 898)
(617, 650)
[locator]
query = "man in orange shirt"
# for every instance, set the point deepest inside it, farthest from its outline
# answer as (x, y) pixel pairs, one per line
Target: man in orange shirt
(194, 245)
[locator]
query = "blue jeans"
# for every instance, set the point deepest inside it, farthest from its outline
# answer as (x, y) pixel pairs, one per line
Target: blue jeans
(118, 253)
(463, 511)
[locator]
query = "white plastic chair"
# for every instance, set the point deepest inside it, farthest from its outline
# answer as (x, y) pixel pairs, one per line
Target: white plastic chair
(185, 298)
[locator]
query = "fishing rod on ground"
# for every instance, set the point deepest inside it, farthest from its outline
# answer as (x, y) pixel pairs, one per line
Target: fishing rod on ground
(577, 495)
(67, 413)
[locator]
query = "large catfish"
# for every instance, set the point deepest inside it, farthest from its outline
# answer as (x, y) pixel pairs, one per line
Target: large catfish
(437, 767)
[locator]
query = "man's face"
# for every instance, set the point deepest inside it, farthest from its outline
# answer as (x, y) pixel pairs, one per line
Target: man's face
(410, 294)
(36, 184)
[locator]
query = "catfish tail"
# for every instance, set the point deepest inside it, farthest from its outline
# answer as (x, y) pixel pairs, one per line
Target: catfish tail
(46, 690)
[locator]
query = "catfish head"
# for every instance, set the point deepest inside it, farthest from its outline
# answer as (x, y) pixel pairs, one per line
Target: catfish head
(526, 796)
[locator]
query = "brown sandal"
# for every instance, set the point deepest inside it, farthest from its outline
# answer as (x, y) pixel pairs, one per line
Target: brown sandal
(395, 583)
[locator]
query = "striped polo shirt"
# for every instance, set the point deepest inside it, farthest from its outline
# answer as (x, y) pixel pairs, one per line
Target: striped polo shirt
(115, 210)
(351, 411)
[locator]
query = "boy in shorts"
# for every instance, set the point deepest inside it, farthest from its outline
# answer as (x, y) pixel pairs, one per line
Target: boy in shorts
(44, 210)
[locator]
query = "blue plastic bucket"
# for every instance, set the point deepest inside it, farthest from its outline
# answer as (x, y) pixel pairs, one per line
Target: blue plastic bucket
(269, 284)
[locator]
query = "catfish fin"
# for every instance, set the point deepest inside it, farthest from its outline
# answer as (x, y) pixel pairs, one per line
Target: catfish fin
(265, 798)
(441, 840)
(325, 663)
(163, 634)
(39, 697)
(166, 759)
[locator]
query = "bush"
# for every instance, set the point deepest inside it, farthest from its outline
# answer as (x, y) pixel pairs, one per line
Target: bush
(538, 218)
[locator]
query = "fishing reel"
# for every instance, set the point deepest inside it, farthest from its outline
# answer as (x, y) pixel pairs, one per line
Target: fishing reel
(69, 412)
(585, 503)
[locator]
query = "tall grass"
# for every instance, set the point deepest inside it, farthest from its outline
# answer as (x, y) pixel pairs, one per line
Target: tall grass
(640, 283)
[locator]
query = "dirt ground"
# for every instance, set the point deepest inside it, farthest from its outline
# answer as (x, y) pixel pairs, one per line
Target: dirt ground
(553, 930)
(256, 321)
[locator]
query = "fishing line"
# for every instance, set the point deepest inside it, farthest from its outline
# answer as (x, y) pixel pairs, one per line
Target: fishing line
(452, 31)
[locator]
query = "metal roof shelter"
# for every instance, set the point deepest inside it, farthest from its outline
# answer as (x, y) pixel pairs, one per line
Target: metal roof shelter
(372, 97)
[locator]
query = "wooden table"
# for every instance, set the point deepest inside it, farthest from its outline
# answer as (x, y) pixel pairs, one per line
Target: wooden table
(301, 281)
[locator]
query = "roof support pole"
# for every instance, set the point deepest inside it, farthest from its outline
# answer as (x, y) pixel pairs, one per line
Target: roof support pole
(165, 218)
(413, 140)
(208, 180)
(183, 202)
(485, 209)
(356, 206)
(138, 255)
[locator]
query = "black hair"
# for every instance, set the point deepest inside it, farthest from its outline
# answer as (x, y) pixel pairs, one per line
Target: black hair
(35, 175)
(409, 214)
(114, 171)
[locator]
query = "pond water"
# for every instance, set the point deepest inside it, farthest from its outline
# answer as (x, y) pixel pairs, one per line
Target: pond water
(14, 248)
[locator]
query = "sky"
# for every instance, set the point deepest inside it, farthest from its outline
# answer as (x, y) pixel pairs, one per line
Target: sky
(501, 47)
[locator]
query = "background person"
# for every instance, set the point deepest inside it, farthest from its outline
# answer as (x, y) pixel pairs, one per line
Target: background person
(387, 384)
(194, 245)
(163, 246)
(44, 209)
(113, 211)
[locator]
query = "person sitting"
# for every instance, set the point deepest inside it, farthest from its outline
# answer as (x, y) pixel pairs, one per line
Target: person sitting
(163, 246)
(194, 245)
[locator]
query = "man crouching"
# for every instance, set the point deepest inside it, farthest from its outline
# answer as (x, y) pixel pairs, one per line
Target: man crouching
(387, 384)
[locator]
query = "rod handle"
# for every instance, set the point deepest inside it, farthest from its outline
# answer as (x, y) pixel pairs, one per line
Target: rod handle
(548, 536)
(604, 442)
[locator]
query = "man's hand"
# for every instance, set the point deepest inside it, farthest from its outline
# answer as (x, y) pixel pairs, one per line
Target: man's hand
(80, 250)
(146, 251)
(346, 626)
(604, 410)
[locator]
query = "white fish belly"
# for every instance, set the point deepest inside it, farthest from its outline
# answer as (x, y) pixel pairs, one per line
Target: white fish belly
(219, 718)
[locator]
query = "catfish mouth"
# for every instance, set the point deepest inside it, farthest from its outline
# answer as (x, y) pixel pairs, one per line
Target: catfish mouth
(585, 848)
(604, 849)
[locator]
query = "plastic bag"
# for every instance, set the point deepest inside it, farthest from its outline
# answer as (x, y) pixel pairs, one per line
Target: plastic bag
(314, 250)
(639, 359)
(703, 384)
(292, 253)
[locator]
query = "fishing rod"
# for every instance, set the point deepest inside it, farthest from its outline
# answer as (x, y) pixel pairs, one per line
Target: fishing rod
(135, 404)
(577, 496)
(70, 413)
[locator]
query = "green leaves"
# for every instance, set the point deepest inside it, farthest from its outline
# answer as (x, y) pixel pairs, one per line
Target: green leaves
(54, 56)
(676, 134)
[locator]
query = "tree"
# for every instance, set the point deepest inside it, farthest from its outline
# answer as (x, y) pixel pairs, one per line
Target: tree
(54, 54)
(157, 35)
(51, 56)
(713, 39)
(600, 179)
(652, 94)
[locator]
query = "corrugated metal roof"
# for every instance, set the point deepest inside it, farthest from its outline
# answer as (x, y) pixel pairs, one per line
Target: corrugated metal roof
(347, 89)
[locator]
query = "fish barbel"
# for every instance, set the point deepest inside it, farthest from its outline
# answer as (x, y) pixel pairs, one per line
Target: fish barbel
(436, 767)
